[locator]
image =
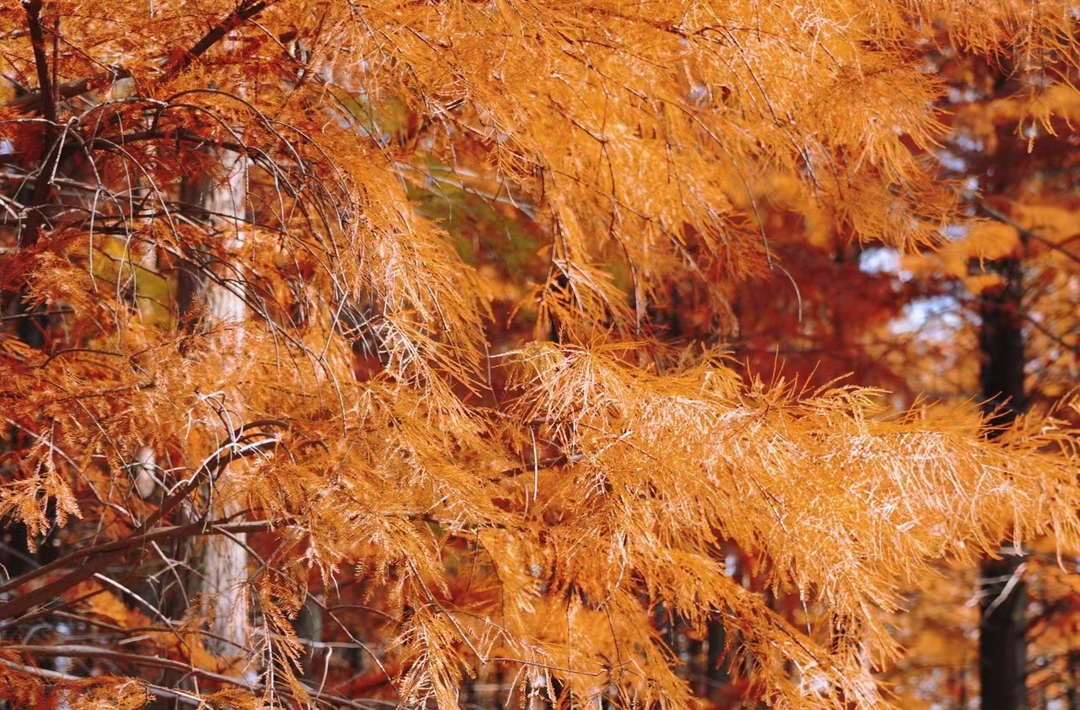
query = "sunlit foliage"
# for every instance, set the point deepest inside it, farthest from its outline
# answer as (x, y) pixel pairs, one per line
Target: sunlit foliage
(447, 415)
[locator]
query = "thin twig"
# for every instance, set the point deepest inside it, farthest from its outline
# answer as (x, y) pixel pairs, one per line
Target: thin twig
(1024, 231)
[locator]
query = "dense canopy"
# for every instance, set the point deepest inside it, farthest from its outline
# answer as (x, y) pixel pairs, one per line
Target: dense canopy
(365, 313)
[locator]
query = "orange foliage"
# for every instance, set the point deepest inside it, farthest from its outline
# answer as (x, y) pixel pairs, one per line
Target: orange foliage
(400, 290)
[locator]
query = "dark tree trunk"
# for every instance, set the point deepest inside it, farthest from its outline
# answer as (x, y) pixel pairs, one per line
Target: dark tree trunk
(717, 674)
(1002, 642)
(1073, 680)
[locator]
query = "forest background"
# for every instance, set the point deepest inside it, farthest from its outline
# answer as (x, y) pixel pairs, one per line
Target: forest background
(550, 354)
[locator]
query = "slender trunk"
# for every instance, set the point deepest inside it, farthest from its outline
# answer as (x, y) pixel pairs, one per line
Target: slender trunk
(1073, 680)
(717, 674)
(1002, 641)
(225, 560)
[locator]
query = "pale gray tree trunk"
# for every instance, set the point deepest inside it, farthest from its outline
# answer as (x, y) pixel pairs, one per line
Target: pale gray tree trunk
(220, 299)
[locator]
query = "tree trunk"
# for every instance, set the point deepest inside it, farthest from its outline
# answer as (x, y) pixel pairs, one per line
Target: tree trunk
(1073, 680)
(717, 673)
(1002, 641)
(225, 559)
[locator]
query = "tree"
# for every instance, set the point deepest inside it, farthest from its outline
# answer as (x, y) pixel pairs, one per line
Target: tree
(1008, 142)
(455, 493)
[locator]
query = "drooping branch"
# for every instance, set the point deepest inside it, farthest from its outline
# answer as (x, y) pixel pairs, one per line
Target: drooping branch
(106, 555)
(136, 659)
